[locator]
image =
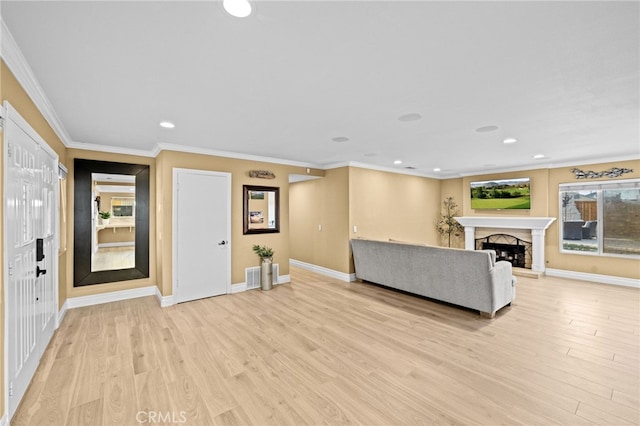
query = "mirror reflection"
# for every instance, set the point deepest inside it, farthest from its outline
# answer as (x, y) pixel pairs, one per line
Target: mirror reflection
(92, 233)
(261, 209)
(113, 222)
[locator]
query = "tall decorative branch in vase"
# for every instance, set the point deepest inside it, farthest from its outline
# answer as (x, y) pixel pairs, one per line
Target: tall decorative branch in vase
(448, 225)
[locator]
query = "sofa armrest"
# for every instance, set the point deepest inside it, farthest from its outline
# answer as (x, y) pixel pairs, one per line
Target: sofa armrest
(502, 272)
(492, 253)
(503, 284)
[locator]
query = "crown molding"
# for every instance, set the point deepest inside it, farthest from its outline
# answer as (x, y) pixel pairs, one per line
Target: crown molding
(186, 149)
(111, 149)
(12, 56)
(379, 168)
(550, 165)
(477, 172)
(589, 161)
(235, 155)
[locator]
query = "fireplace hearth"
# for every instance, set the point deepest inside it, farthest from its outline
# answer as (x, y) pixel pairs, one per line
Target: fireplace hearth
(507, 247)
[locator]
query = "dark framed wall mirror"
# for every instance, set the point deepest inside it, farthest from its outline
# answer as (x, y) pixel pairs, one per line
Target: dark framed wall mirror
(261, 209)
(111, 222)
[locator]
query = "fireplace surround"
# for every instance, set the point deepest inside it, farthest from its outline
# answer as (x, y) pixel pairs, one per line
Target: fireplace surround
(537, 225)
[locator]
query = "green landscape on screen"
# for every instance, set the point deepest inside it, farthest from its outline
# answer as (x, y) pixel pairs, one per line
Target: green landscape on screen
(501, 194)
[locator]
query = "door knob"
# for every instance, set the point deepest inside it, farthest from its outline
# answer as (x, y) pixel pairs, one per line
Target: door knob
(40, 271)
(222, 243)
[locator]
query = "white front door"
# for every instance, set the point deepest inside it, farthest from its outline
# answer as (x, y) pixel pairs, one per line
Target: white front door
(202, 229)
(31, 277)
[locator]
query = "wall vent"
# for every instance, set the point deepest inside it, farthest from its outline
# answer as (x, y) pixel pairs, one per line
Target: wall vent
(252, 276)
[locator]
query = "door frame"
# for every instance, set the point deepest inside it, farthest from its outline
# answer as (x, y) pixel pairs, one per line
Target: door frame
(174, 224)
(7, 112)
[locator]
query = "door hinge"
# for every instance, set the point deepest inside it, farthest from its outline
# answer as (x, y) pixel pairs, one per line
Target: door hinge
(10, 151)
(10, 269)
(10, 389)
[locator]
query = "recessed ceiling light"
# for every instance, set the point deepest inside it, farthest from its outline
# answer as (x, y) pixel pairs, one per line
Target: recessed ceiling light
(237, 8)
(485, 129)
(397, 162)
(167, 124)
(412, 116)
(538, 156)
(509, 140)
(437, 169)
(340, 139)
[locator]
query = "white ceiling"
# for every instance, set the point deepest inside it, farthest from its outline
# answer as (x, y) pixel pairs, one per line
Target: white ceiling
(561, 77)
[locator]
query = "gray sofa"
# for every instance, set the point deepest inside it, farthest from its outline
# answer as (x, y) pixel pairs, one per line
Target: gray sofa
(472, 279)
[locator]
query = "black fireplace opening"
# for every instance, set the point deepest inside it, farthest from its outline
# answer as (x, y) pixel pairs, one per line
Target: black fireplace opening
(509, 252)
(507, 247)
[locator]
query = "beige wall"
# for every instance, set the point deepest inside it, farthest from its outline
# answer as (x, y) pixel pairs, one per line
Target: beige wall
(539, 194)
(321, 202)
(382, 205)
(105, 200)
(386, 205)
(160, 220)
(12, 91)
(112, 234)
(242, 255)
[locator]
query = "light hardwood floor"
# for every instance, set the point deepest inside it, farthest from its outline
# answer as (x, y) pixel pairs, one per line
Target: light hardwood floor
(322, 352)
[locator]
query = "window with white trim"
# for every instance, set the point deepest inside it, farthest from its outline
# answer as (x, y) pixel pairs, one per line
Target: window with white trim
(600, 218)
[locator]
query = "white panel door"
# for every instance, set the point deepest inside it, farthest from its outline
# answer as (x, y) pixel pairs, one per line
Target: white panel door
(202, 224)
(31, 212)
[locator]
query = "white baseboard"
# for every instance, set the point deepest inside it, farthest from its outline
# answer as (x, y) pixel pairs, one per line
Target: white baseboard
(61, 313)
(597, 278)
(238, 288)
(283, 279)
(122, 244)
(114, 296)
(323, 271)
(165, 300)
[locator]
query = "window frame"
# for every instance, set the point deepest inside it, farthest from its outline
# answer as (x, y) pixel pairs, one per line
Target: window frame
(599, 187)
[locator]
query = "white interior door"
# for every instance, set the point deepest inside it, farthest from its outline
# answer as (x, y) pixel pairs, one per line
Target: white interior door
(31, 249)
(202, 229)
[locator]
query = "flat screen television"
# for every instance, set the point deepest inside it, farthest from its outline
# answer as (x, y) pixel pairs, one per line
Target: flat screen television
(501, 194)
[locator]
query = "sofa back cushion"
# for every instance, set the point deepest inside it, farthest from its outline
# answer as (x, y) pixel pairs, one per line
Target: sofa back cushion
(451, 275)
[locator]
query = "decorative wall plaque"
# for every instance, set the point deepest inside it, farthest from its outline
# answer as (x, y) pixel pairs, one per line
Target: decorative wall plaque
(261, 174)
(613, 172)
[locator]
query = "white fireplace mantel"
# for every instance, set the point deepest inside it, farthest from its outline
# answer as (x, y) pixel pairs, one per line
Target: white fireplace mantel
(537, 225)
